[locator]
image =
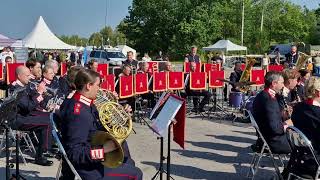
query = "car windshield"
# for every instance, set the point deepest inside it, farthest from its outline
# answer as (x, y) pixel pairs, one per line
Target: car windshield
(115, 54)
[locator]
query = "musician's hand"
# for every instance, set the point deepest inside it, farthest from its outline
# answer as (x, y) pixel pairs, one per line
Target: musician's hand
(115, 94)
(127, 108)
(42, 88)
(109, 146)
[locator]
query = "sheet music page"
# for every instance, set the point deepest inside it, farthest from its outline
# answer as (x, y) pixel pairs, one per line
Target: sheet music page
(168, 112)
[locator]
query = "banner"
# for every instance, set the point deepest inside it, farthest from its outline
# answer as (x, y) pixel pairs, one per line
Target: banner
(257, 76)
(198, 80)
(126, 86)
(213, 79)
(159, 81)
(108, 83)
(277, 68)
(187, 67)
(11, 71)
(63, 69)
(211, 67)
(141, 83)
(103, 69)
(1, 72)
(175, 80)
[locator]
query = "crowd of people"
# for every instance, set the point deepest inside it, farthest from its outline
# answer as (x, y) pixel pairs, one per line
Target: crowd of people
(288, 98)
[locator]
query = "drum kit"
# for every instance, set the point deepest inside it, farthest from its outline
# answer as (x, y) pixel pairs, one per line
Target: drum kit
(241, 100)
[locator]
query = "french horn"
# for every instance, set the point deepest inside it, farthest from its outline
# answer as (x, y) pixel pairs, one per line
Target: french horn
(117, 123)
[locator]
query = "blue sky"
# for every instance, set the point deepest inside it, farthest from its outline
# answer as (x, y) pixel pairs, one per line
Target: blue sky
(68, 17)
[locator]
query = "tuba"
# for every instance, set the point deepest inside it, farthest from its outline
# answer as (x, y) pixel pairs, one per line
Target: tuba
(245, 76)
(301, 62)
(118, 124)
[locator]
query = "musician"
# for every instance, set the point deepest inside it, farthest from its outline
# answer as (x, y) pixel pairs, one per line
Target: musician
(27, 120)
(144, 68)
(93, 65)
(81, 121)
(304, 77)
(168, 67)
(48, 77)
(35, 68)
(196, 93)
(292, 57)
(290, 82)
(306, 117)
(193, 57)
(55, 66)
(266, 112)
(126, 71)
(235, 77)
(130, 61)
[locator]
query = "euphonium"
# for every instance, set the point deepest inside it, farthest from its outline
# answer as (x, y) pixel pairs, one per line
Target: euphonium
(245, 76)
(118, 124)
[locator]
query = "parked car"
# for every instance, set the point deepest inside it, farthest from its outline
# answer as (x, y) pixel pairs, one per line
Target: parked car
(108, 56)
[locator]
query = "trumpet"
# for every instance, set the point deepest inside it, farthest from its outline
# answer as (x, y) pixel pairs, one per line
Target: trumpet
(48, 90)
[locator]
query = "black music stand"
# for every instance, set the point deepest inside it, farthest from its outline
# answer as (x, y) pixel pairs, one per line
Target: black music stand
(8, 114)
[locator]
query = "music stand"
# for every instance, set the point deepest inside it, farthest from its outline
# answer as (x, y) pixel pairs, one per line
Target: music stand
(166, 109)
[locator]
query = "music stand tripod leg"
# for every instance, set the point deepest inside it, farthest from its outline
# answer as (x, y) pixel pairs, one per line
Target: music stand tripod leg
(160, 170)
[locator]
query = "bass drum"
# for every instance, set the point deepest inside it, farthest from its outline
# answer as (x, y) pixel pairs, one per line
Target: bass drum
(235, 99)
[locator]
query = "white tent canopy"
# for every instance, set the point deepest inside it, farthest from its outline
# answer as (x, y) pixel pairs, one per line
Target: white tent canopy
(225, 45)
(124, 49)
(41, 37)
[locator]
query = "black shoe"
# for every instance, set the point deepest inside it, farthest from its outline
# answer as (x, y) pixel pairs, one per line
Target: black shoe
(49, 154)
(201, 110)
(42, 161)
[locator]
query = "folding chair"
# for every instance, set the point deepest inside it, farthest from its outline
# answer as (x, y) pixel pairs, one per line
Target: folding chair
(61, 149)
(298, 140)
(254, 165)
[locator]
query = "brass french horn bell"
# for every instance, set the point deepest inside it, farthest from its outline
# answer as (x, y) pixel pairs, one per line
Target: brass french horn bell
(114, 158)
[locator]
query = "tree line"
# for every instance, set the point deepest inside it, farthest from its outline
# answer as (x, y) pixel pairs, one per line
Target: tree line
(173, 26)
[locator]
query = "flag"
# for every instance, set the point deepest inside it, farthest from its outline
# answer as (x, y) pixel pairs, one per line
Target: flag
(126, 86)
(213, 79)
(179, 127)
(198, 80)
(257, 76)
(141, 86)
(108, 83)
(1, 72)
(159, 81)
(11, 71)
(277, 68)
(103, 69)
(63, 69)
(187, 67)
(175, 80)
(211, 67)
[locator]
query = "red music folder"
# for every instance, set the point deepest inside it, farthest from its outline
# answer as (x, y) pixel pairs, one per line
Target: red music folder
(126, 86)
(257, 76)
(159, 81)
(198, 80)
(214, 77)
(11, 71)
(211, 67)
(141, 83)
(175, 80)
(103, 69)
(108, 83)
(187, 67)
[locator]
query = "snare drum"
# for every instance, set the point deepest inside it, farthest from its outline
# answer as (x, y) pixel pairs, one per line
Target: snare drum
(235, 99)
